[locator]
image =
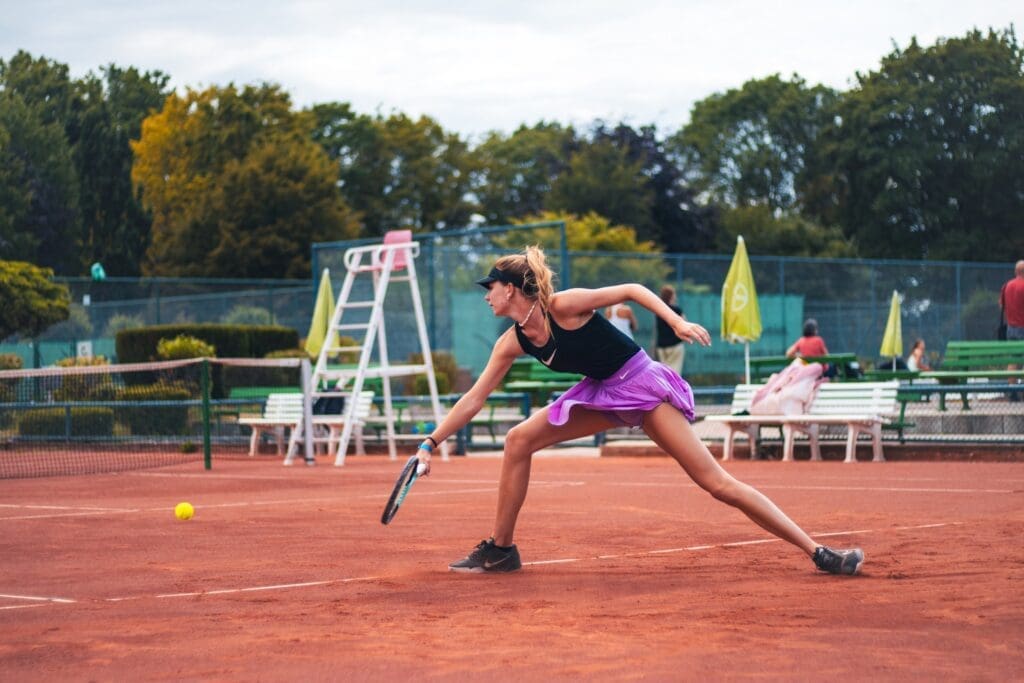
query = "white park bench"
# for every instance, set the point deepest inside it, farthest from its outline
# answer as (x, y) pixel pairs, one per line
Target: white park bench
(284, 411)
(863, 407)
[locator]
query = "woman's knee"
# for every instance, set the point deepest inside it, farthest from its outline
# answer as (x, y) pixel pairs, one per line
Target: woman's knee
(518, 441)
(724, 488)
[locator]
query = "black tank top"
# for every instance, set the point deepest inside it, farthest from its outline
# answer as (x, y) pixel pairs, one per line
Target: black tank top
(596, 350)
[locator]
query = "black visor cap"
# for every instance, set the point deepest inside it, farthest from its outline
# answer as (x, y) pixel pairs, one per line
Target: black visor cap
(497, 275)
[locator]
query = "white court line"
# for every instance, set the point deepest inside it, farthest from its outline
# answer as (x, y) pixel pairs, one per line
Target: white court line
(786, 487)
(733, 544)
(26, 506)
(35, 598)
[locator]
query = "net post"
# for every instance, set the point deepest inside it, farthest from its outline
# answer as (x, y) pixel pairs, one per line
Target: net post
(204, 382)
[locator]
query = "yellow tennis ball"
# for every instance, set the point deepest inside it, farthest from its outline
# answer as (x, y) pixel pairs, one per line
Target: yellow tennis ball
(184, 511)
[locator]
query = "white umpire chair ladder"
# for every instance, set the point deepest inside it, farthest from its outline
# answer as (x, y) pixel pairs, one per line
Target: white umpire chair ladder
(392, 261)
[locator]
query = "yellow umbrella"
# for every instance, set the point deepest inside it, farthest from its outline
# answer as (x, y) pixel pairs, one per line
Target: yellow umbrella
(323, 309)
(892, 340)
(741, 316)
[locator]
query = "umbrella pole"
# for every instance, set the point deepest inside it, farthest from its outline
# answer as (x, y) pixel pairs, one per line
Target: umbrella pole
(746, 360)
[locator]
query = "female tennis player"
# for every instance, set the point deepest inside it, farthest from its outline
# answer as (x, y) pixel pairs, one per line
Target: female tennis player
(621, 386)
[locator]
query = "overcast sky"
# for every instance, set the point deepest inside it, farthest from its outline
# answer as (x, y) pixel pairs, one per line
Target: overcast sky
(479, 66)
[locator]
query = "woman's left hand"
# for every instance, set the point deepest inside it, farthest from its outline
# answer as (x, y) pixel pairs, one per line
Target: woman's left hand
(691, 332)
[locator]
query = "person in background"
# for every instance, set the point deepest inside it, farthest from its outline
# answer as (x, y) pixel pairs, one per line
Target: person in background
(668, 348)
(1011, 300)
(916, 360)
(810, 344)
(621, 316)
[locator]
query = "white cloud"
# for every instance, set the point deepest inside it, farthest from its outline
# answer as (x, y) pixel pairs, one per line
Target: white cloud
(476, 66)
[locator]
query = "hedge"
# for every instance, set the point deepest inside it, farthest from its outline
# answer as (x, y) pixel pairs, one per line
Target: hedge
(52, 422)
(153, 420)
(138, 345)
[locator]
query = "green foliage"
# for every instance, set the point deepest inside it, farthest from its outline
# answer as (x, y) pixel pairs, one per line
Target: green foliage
(52, 422)
(446, 372)
(76, 326)
(154, 420)
(183, 347)
(10, 361)
(31, 300)
(397, 172)
(231, 341)
(120, 321)
(602, 179)
(514, 173)
(926, 155)
(66, 198)
(768, 234)
(248, 315)
(236, 186)
(39, 218)
(749, 146)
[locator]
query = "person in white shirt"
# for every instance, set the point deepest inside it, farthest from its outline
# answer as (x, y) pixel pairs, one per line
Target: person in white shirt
(621, 316)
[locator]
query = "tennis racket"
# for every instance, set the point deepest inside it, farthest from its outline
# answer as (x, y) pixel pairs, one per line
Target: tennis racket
(410, 473)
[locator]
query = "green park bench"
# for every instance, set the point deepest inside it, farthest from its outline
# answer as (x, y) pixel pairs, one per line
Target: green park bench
(762, 367)
(966, 362)
(528, 375)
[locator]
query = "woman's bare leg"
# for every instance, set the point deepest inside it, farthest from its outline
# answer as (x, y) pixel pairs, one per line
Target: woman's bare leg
(670, 430)
(521, 442)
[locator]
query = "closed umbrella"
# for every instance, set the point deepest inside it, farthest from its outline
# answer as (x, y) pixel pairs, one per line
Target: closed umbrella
(892, 340)
(741, 316)
(323, 309)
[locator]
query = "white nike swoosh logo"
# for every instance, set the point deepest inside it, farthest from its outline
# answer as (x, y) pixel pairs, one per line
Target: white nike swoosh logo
(623, 375)
(551, 358)
(488, 564)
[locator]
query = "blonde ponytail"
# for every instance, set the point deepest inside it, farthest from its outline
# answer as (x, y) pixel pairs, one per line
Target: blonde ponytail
(538, 278)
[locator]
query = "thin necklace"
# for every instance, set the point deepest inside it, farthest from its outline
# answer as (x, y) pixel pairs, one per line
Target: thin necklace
(527, 318)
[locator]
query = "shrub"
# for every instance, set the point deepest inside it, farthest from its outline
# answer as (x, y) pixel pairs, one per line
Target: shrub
(151, 420)
(53, 422)
(77, 326)
(120, 321)
(183, 347)
(445, 371)
(248, 315)
(10, 361)
(138, 345)
(82, 387)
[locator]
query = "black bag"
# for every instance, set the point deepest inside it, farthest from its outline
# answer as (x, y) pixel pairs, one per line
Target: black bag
(329, 405)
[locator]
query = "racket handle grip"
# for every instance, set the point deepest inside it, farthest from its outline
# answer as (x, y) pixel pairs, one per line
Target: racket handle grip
(421, 468)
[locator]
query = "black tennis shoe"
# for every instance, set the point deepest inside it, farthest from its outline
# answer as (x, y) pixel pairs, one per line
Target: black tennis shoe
(487, 557)
(838, 561)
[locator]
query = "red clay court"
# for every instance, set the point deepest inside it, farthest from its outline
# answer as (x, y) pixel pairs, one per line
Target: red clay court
(631, 573)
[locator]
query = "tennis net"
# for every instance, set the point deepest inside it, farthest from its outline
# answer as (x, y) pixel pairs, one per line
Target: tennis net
(93, 418)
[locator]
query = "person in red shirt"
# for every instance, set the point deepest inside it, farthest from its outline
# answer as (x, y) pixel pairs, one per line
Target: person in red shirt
(1011, 300)
(810, 344)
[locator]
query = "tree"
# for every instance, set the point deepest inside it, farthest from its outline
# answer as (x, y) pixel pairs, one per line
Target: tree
(515, 173)
(233, 178)
(926, 155)
(115, 226)
(601, 178)
(677, 220)
(39, 216)
(750, 146)
(271, 206)
(32, 301)
(786, 235)
(397, 172)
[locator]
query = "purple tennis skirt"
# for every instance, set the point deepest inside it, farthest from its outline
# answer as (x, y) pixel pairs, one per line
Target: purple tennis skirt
(638, 387)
